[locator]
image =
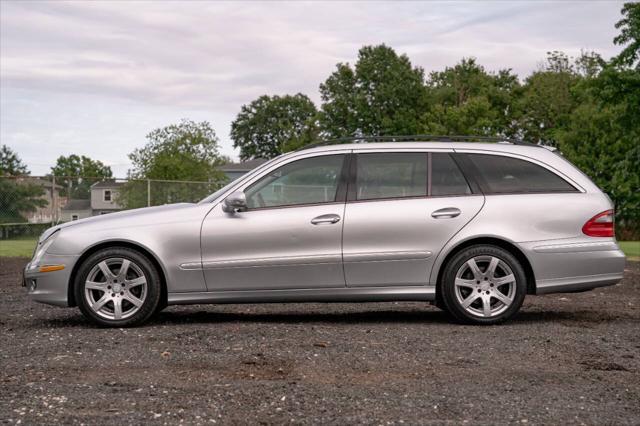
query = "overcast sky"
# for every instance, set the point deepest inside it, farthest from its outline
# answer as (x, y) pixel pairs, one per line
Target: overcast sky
(94, 78)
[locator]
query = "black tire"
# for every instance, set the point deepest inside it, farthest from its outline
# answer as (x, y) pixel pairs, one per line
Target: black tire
(439, 303)
(452, 302)
(150, 303)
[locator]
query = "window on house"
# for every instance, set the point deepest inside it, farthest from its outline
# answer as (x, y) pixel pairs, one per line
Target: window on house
(74, 217)
(107, 195)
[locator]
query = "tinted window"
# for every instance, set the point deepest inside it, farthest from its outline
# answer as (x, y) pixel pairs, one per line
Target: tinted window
(446, 177)
(309, 181)
(391, 175)
(508, 175)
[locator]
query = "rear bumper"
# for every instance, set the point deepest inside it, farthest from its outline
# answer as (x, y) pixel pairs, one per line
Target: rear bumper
(575, 265)
(577, 284)
(50, 287)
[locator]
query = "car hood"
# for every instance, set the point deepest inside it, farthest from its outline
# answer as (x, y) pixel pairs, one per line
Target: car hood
(107, 219)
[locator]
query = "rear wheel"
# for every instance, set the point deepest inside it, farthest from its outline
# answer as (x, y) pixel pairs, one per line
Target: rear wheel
(118, 287)
(483, 284)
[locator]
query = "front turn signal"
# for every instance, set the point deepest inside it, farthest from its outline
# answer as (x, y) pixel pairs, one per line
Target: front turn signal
(50, 268)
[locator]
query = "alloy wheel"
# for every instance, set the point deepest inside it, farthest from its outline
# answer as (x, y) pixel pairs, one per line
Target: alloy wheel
(485, 286)
(115, 288)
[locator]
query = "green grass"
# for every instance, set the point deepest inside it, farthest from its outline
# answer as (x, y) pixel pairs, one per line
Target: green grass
(631, 249)
(17, 248)
(24, 248)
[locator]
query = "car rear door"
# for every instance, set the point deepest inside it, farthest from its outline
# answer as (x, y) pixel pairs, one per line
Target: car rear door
(402, 208)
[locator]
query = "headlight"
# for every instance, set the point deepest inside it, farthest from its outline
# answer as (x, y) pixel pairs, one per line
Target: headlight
(41, 249)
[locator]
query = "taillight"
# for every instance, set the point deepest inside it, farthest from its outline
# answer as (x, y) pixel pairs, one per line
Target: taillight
(601, 225)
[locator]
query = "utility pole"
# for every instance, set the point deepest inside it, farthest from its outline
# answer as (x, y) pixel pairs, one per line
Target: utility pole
(53, 199)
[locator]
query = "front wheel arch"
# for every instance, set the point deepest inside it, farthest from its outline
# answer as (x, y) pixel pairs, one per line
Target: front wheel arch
(506, 245)
(71, 298)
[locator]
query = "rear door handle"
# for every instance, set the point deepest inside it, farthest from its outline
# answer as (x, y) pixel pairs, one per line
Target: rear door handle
(446, 213)
(325, 219)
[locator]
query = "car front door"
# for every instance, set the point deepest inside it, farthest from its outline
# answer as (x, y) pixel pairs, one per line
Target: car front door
(290, 236)
(401, 210)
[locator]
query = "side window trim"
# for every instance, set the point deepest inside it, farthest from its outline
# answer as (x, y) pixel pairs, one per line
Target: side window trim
(343, 182)
(351, 177)
(341, 189)
(429, 173)
(470, 173)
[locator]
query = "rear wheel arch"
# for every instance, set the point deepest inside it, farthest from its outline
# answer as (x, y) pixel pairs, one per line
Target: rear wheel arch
(506, 245)
(113, 244)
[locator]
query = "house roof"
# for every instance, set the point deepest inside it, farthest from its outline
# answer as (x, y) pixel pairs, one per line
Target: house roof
(78, 205)
(107, 184)
(242, 167)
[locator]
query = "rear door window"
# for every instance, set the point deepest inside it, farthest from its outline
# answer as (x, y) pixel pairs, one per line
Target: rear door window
(446, 177)
(391, 175)
(500, 174)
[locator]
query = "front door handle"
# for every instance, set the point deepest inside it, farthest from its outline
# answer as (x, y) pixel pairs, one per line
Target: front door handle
(446, 213)
(325, 219)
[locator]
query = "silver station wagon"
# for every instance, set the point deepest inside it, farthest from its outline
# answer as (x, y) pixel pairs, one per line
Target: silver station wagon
(472, 227)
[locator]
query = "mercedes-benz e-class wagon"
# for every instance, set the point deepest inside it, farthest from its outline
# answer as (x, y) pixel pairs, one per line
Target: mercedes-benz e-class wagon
(470, 227)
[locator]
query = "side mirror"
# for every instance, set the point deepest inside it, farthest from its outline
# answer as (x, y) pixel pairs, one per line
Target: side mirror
(236, 202)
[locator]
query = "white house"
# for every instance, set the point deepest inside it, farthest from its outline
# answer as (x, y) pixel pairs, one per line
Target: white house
(103, 200)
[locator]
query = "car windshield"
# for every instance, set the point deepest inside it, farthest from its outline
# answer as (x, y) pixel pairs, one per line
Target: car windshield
(213, 197)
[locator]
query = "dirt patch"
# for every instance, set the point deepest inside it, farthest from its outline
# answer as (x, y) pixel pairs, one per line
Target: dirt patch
(565, 359)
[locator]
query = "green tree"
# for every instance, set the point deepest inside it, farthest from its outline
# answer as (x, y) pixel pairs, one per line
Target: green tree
(467, 100)
(271, 125)
(629, 35)
(547, 100)
(18, 196)
(619, 82)
(77, 173)
(10, 163)
(382, 95)
(187, 151)
(603, 133)
(595, 141)
(589, 64)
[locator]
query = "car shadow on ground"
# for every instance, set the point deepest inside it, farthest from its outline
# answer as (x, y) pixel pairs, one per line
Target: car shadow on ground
(382, 316)
(315, 316)
(169, 317)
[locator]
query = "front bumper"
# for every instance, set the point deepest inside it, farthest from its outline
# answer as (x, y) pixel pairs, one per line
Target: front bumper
(49, 287)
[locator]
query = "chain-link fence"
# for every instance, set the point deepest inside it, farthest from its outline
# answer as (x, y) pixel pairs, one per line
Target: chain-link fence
(30, 204)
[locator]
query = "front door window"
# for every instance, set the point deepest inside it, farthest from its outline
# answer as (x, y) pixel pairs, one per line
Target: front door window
(309, 181)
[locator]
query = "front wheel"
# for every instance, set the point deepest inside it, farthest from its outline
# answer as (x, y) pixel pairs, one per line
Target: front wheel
(117, 287)
(483, 284)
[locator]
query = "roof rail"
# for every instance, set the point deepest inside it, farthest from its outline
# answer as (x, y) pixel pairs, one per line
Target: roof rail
(416, 138)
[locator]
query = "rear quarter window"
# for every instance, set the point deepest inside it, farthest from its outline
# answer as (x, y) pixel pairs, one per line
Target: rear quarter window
(499, 174)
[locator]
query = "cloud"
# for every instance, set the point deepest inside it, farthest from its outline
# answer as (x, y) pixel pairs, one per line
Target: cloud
(222, 54)
(206, 59)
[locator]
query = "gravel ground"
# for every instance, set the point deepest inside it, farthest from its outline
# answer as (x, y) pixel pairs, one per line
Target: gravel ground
(565, 359)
